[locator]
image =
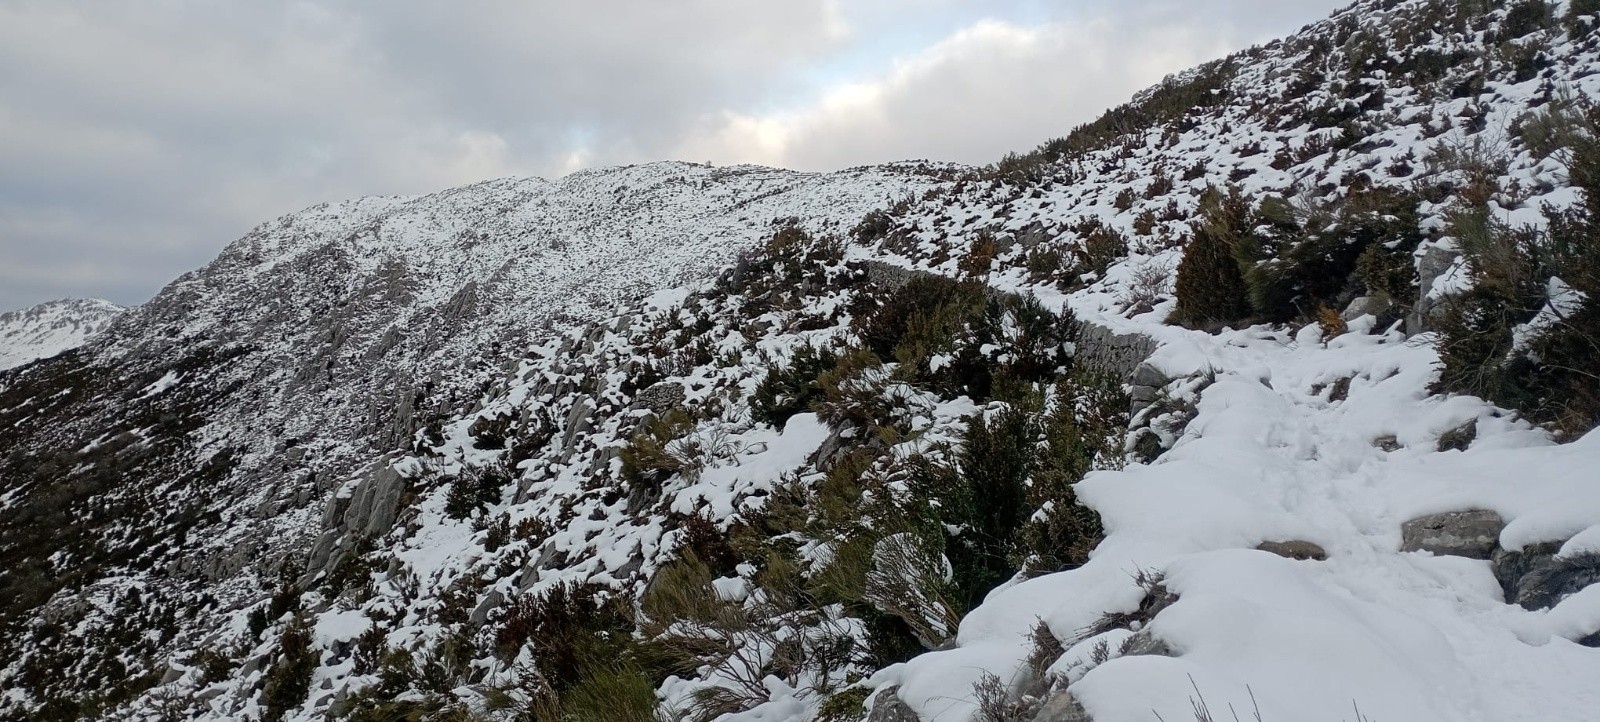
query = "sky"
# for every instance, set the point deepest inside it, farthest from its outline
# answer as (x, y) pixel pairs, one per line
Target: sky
(140, 137)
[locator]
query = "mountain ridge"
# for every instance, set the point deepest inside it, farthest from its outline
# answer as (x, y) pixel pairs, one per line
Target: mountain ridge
(52, 327)
(331, 477)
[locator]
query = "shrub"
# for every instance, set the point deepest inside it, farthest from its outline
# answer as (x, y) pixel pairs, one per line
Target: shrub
(1557, 126)
(883, 319)
(651, 456)
(1210, 287)
(1331, 323)
(790, 390)
(1581, 17)
(559, 623)
(1085, 431)
(980, 257)
(610, 693)
(1526, 17)
(288, 682)
(1551, 376)
(1102, 247)
(844, 706)
(473, 489)
(1303, 256)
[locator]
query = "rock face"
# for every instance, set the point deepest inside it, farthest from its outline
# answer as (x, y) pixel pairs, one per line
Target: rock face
(1472, 533)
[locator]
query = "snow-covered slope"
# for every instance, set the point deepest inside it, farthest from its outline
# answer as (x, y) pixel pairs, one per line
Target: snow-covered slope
(50, 328)
(744, 444)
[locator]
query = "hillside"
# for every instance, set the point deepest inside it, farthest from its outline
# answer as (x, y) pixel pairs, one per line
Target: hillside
(51, 328)
(1266, 392)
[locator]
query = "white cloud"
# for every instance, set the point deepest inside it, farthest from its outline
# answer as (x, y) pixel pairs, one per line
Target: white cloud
(139, 138)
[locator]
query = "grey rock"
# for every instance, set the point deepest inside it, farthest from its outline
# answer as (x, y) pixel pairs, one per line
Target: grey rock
(1294, 549)
(322, 551)
(1473, 533)
(1388, 442)
(1148, 375)
(1554, 579)
(660, 398)
(1432, 263)
(376, 502)
(1061, 706)
(1365, 306)
(887, 707)
(1459, 438)
(491, 601)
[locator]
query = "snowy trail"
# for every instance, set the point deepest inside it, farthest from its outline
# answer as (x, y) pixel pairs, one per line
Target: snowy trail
(1269, 457)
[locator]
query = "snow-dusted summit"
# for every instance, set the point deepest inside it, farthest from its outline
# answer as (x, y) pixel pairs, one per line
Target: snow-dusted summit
(51, 328)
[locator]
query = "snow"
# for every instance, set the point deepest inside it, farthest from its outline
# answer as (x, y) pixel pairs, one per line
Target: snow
(51, 328)
(1404, 636)
(463, 282)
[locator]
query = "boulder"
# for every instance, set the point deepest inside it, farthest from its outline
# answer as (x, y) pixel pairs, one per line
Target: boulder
(1294, 549)
(1365, 306)
(1548, 582)
(887, 707)
(1473, 533)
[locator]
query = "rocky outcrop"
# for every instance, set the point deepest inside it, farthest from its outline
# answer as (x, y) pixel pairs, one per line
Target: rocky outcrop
(375, 503)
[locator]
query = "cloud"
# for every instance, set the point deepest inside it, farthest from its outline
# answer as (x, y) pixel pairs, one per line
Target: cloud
(139, 138)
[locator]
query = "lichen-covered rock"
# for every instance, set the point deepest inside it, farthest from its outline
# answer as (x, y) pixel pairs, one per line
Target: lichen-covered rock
(660, 398)
(1472, 533)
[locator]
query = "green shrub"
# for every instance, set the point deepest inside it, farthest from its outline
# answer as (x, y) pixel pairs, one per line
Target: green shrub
(1526, 17)
(1299, 258)
(1086, 430)
(573, 629)
(790, 390)
(651, 457)
(1210, 288)
(473, 489)
(844, 706)
(882, 320)
(1581, 17)
(610, 693)
(288, 681)
(1552, 377)
(1101, 247)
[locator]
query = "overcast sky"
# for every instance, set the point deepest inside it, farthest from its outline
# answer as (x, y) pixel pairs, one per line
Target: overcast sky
(139, 138)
